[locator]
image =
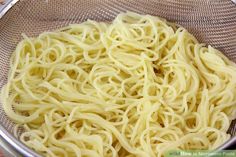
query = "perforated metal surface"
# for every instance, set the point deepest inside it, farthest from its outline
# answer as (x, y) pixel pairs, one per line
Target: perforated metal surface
(211, 21)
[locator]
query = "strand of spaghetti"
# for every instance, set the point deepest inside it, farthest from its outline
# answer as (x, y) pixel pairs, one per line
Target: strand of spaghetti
(138, 86)
(98, 120)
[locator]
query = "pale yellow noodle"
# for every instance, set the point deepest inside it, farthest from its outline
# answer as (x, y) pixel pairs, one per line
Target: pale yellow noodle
(138, 86)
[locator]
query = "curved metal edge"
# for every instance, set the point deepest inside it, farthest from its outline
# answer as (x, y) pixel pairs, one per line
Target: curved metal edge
(14, 146)
(7, 150)
(6, 7)
(234, 1)
(231, 142)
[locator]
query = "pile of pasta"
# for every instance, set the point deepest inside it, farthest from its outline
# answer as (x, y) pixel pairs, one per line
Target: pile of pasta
(136, 87)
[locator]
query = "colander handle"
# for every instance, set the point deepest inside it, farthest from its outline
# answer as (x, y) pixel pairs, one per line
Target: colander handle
(5, 6)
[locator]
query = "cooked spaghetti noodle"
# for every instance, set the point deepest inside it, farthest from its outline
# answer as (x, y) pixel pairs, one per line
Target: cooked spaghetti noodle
(138, 86)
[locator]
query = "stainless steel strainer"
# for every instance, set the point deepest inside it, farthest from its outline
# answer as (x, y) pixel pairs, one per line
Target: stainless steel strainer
(211, 21)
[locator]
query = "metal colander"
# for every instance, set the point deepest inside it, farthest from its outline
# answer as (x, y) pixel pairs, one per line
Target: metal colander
(211, 21)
